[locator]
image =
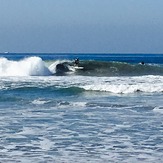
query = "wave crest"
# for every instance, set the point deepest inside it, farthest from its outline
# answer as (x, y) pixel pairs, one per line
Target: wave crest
(32, 66)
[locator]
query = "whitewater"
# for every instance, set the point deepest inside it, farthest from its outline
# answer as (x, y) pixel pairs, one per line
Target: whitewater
(109, 111)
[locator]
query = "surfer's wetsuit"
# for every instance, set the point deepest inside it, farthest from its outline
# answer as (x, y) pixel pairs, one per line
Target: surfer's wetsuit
(77, 61)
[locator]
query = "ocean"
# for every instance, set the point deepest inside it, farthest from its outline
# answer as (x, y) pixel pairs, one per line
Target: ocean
(108, 108)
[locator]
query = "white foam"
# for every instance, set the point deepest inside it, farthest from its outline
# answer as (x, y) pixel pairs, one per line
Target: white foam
(32, 66)
(46, 144)
(39, 102)
(79, 104)
(117, 85)
(158, 109)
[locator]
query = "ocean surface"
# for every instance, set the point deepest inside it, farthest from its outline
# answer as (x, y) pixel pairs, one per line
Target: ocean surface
(109, 108)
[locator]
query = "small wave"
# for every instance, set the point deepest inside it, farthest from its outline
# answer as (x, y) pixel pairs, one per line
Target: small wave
(124, 85)
(105, 104)
(8, 99)
(158, 109)
(39, 102)
(124, 88)
(71, 90)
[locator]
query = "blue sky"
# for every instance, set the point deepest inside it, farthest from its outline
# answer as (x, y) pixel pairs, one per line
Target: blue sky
(85, 26)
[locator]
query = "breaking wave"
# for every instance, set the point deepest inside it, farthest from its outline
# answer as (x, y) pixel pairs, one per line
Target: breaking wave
(74, 85)
(35, 66)
(32, 66)
(101, 68)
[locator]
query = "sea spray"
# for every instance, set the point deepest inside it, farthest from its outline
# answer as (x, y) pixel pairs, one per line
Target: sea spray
(31, 66)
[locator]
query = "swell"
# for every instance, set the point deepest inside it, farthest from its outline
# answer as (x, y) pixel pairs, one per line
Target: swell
(41, 91)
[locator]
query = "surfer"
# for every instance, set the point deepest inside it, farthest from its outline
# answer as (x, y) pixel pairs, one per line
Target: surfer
(142, 63)
(76, 62)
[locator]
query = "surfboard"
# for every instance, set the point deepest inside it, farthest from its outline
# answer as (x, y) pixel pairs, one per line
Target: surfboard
(78, 68)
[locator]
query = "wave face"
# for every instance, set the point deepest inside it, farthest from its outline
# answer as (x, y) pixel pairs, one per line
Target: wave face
(101, 68)
(98, 68)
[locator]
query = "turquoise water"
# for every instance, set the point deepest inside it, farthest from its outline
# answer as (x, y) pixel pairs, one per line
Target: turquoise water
(97, 114)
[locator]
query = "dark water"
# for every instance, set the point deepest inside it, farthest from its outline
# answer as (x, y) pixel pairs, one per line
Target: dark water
(129, 58)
